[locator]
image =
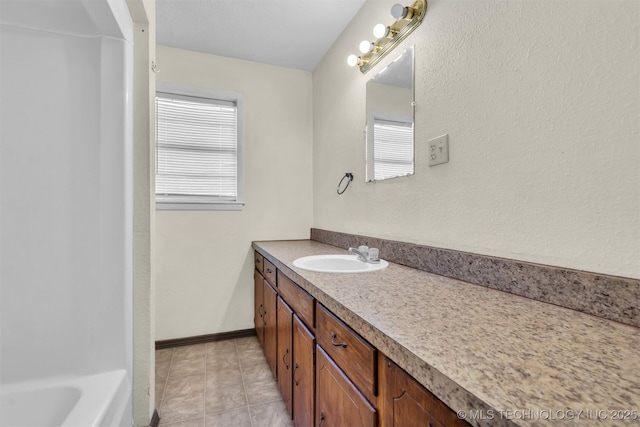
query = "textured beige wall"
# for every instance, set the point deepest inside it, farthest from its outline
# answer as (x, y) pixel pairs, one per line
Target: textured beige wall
(540, 101)
(204, 265)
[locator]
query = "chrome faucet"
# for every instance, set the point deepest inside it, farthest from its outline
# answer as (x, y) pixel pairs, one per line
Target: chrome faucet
(362, 256)
(365, 254)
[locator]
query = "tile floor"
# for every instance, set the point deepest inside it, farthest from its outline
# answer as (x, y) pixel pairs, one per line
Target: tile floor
(218, 384)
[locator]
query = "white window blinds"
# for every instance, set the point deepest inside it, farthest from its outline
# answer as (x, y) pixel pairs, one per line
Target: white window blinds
(196, 149)
(392, 148)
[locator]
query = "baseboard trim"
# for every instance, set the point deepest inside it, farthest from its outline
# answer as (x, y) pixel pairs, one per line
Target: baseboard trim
(201, 339)
(155, 419)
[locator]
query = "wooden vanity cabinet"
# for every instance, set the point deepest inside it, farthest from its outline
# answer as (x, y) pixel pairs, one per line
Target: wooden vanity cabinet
(285, 353)
(328, 375)
(258, 298)
(259, 262)
(405, 402)
(298, 299)
(284, 320)
(338, 401)
(270, 326)
(301, 377)
(265, 307)
(269, 272)
(265, 297)
(304, 347)
(355, 356)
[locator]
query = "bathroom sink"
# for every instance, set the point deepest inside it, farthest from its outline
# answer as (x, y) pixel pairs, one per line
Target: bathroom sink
(337, 264)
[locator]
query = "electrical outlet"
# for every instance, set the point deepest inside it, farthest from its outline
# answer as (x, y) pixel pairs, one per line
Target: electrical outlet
(439, 150)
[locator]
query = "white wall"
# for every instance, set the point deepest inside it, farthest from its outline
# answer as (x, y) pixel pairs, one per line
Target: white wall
(541, 104)
(204, 259)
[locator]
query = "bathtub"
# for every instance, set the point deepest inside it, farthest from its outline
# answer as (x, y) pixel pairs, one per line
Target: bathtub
(89, 401)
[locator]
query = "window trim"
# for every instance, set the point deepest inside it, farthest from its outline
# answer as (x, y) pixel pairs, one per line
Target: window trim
(192, 202)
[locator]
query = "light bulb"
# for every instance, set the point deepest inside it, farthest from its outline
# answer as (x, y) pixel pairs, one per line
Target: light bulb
(380, 31)
(398, 11)
(352, 60)
(366, 46)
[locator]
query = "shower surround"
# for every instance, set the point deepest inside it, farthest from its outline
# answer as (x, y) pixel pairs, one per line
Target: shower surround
(65, 204)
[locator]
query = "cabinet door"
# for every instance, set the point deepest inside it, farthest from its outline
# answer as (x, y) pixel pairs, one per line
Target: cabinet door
(270, 327)
(259, 306)
(304, 344)
(408, 404)
(285, 353)
(338, 401)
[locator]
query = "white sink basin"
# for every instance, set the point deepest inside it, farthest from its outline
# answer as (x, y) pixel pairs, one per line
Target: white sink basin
(337, 264)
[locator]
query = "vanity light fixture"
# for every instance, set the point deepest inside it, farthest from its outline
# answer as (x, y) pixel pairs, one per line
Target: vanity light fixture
(366, 46)
(407, 19)
(380, 31)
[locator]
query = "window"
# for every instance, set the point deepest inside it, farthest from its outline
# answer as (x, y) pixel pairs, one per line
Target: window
(392, 148)
(198, 151)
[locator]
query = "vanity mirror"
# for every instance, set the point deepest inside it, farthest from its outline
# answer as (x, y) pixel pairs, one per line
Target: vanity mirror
(390, 135)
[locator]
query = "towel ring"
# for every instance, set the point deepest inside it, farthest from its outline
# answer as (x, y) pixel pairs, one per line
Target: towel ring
(347, 175)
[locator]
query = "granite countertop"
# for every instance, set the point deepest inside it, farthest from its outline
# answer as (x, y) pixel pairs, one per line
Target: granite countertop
(500, 358)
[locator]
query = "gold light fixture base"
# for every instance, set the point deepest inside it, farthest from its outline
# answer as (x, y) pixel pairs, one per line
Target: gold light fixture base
(398, 31)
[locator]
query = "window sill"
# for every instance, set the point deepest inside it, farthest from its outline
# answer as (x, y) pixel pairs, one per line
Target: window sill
(185, 206)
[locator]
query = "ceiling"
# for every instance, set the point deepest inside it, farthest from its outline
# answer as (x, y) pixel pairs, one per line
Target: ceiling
(287, 33)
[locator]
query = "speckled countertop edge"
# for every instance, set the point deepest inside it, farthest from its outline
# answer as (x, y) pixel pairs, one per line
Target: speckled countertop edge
(479, 349)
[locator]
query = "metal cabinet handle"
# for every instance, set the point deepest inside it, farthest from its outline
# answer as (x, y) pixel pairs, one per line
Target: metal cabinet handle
(337, 344)
(286, 365)
(295, 369)
(322, 417)
(269, 270)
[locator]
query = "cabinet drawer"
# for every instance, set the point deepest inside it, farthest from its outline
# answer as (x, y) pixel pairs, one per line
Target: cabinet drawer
(356, 357)
(258, 261)
(269, 272)
(299, 300)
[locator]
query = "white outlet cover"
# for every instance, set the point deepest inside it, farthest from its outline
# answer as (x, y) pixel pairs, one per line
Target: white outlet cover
(439, 150)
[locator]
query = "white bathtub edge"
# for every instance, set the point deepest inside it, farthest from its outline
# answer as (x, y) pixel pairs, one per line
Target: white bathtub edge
(100, 393)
